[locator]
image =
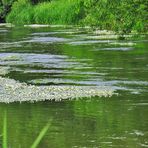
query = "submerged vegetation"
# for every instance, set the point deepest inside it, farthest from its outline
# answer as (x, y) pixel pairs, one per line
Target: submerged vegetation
(121, 16)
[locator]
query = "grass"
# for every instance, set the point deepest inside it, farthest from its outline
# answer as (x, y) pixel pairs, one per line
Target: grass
(111, 15)
(22, 12)
(54, 12)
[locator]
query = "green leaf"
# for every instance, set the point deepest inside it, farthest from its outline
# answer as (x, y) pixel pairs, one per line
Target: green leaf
(41, 135)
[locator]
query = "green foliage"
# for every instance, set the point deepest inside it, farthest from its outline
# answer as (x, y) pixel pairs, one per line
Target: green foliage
(22, 12)
(55, 12)
(5, 6)
(119, 15)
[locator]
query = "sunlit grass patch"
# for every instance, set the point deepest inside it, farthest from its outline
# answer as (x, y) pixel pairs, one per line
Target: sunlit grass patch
(54, 12)
(22, 12)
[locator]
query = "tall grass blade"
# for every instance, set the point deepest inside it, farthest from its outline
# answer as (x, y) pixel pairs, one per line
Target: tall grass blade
(5, 130)
(41, 135)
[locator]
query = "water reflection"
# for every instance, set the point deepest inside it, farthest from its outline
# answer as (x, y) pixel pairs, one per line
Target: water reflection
(86, 123)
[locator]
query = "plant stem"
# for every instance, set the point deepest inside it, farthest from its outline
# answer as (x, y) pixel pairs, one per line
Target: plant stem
(5, 130)
(41, 135)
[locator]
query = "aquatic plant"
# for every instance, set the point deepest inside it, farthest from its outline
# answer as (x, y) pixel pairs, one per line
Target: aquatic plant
(41, 135)
(4, 70)
(4, 145)
(12, 91)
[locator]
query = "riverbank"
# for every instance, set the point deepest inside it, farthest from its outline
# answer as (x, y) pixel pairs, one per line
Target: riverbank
(117, 16)
(95, 31)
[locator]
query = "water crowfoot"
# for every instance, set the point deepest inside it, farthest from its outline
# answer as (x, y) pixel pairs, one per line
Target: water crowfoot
(13, 91)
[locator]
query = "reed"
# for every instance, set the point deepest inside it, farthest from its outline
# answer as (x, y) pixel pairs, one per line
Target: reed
(35, 143)
(41, 135)
(4, 144)
(54, 12)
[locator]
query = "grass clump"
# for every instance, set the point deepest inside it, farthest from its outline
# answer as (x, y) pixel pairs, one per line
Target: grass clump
(54, 12)
(58, 12)
(22, 13)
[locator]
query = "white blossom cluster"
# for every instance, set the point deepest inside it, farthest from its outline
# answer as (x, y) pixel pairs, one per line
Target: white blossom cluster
(12, 91)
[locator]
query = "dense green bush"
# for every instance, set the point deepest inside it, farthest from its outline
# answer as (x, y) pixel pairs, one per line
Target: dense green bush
(55, 12)
(58, 12)
(22, 12)
(120, 15)
(5, 6)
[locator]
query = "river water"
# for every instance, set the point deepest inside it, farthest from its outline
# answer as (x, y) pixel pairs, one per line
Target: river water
(76, 56)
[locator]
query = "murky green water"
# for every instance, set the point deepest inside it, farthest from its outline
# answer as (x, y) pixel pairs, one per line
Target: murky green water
(72, 56)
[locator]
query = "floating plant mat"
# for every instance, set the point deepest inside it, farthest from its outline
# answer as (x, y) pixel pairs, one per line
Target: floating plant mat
(12, 91)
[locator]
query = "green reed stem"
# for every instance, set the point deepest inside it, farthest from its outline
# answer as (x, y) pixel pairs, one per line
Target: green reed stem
(41, 135)
(5, 130)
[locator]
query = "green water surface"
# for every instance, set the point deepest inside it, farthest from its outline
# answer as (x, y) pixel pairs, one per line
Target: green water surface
(73, 56)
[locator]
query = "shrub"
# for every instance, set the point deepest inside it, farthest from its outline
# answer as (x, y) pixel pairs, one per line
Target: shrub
(22, 13)
(119, 15)
(55, 12)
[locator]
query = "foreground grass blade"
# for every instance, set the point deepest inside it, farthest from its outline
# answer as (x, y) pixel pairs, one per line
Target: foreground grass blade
(41, 135)
(5, 130)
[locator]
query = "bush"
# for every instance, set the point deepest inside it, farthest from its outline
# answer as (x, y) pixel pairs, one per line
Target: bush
(5, 7)
(22, 13)
(119, 15)
(55, 12)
